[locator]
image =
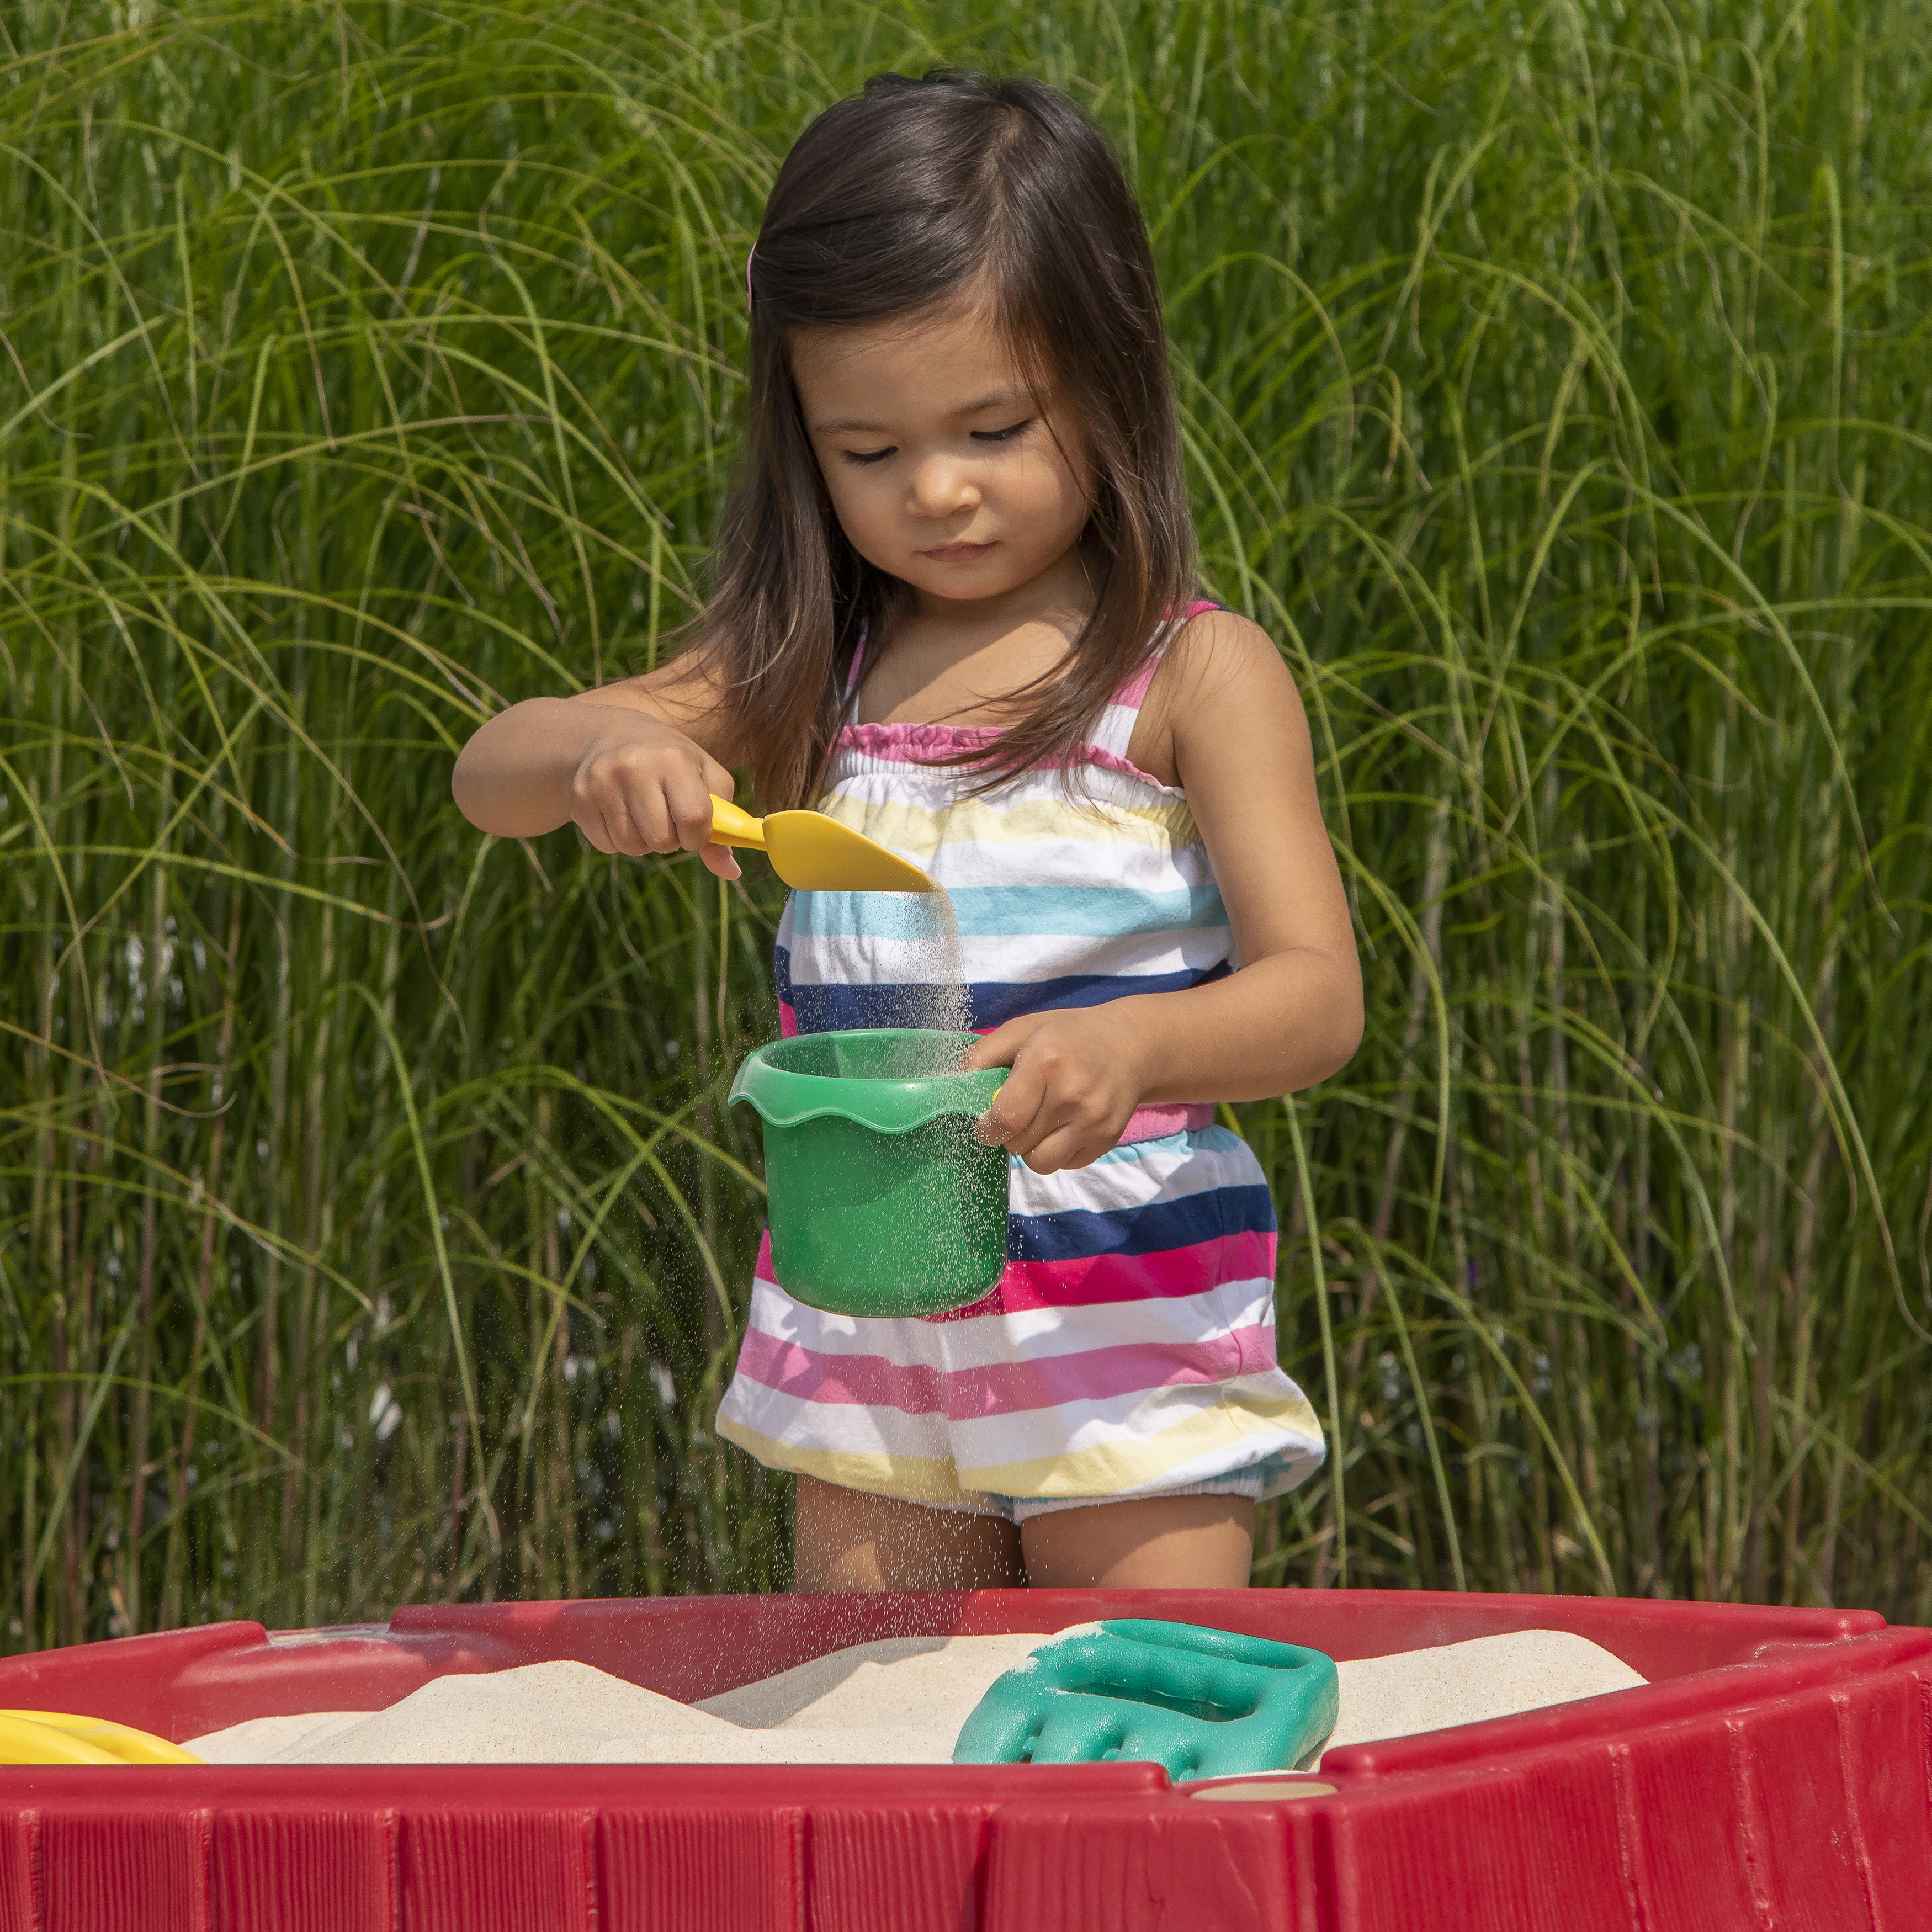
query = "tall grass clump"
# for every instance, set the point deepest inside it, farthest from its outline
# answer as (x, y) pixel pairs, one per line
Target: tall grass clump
(371, 1225)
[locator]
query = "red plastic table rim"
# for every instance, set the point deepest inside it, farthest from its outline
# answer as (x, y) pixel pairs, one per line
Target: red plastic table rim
(1775, 1771)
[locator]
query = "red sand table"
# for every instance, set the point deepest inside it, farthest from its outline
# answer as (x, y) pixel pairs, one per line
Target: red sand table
(1776, 1772)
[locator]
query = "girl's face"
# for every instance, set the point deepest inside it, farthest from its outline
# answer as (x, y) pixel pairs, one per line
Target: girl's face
(944, 470)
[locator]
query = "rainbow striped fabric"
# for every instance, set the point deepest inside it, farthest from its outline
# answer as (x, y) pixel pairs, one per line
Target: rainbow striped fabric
(1130, 1348)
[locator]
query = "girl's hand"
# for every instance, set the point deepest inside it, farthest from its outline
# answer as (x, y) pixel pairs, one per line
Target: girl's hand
(641, 786)
(1077, 1075)
(634, 765)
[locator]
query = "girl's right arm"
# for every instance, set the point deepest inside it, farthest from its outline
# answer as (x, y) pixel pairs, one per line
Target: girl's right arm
(635, 764)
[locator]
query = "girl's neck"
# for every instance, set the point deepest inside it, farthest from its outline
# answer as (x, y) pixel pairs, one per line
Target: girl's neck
(960, 661)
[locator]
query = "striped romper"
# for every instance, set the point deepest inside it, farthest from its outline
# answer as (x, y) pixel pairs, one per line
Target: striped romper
(1129, 1350)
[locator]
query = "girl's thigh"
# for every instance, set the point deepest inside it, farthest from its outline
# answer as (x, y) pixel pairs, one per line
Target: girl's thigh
(1154, 1542)
(847, 1539)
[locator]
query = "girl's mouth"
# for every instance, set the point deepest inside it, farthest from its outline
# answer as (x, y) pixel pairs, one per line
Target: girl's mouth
(957, 552)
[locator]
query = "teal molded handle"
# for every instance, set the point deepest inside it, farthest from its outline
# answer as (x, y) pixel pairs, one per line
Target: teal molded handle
(1202, 1702)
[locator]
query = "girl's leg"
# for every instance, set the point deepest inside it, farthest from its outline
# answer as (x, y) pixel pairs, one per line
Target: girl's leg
(1156, 1543)
(847, 1539)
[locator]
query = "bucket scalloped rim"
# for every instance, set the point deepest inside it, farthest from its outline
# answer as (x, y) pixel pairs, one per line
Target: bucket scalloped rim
(896, 1102)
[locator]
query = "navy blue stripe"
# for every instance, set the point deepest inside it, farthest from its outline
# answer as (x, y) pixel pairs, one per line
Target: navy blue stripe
(1078, 1234)
(994, 1002)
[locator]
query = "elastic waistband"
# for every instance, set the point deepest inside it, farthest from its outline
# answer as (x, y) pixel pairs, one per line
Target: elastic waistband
(1150, 1123)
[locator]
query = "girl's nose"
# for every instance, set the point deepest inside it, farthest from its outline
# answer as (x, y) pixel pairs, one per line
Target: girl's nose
(939, 488)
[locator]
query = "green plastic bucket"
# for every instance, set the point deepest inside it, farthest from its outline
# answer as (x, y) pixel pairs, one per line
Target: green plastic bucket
(881, 1201)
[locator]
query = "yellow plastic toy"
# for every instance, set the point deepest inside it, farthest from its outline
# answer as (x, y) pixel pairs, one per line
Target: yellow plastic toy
(58, 1737)
(815, 853)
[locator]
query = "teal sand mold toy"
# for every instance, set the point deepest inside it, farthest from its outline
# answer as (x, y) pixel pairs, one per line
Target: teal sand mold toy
(1202, 1703)
(882, 1200)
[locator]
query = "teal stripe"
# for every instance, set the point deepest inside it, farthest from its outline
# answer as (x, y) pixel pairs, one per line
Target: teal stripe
(996, 912)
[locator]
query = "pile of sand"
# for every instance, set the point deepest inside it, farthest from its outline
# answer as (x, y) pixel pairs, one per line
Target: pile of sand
(901, 1701)
(1414, 1691)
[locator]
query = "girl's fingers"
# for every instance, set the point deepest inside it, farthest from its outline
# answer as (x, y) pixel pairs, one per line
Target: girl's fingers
(1010, 1118)
(649, 819)
(636, 798)
(687, 807)
(654, 832)
(609, 828)
(1060, 1133)
(1050, 1125)
(996, 1048)
(1050, 1113)
(1059, 1136)
(1068, 1148)
(621, 829)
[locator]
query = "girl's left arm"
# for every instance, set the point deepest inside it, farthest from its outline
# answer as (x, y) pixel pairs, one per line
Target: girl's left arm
(1238, 738)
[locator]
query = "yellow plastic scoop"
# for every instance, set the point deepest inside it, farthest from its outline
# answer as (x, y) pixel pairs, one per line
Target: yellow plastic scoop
(58, 1737)
(815, 853)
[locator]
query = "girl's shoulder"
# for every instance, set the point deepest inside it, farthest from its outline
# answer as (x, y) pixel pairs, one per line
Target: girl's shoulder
(1214, 663)
(1211, 636)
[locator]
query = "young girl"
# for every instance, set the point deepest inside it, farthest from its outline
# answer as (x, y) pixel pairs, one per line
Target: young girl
(954, 609)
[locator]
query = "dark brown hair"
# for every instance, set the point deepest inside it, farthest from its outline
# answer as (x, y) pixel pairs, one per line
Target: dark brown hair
(891, 201)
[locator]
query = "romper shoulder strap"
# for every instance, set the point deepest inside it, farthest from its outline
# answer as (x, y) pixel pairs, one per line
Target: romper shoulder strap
(854, 673)
(1114, 729)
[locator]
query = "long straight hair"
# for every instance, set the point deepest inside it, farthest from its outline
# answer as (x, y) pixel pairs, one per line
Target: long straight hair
(892, 202)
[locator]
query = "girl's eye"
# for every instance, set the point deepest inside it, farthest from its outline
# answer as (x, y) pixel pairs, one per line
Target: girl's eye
(865, 457)
(1003, 435)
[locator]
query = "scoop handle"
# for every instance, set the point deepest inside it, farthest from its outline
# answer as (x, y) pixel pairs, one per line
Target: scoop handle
(60, 1737)
(731, 827)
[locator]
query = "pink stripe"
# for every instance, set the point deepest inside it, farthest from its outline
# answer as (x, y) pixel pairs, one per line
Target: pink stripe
(1112, 761)
(1000, 1388)
(913, 743)
(788, 1023)
(921, 744)
(1134, 690)
(1149, 1124)
(856, 1381)
(1095, 1279)
(927, 744)
(1167, 1276)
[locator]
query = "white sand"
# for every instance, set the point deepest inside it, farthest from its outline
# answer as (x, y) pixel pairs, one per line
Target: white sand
(925, 1686)
(901, 1701)
(1463, 1683)
(935, 965)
